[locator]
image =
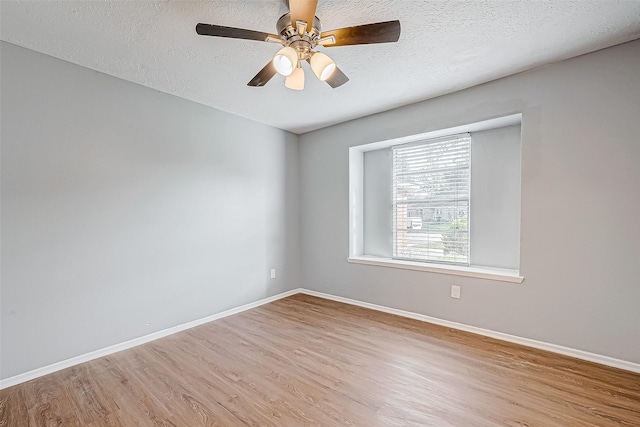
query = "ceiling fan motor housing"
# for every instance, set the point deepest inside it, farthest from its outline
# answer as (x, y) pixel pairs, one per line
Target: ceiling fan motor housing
(302, 43)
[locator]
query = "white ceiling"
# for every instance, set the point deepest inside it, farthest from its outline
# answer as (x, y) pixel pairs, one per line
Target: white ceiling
(444, 46)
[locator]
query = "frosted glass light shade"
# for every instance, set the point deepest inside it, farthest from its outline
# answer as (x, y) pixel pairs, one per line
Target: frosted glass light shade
(285, 60)
(295, 81)
(322, 66)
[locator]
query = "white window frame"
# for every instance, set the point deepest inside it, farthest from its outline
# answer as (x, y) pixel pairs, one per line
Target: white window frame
(356, 204)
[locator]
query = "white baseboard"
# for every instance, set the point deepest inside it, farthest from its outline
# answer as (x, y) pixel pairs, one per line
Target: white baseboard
(36, 373)
(567, 351)
(578, 354)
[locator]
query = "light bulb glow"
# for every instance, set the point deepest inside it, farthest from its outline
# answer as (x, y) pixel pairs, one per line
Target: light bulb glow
(296, 80)
(285, 60)
(322, 66)
(328, 70)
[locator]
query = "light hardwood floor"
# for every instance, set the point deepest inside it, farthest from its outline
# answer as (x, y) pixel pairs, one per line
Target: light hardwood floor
(305, 361)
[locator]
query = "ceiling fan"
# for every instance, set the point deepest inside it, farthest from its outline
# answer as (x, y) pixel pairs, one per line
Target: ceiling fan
(300, 34)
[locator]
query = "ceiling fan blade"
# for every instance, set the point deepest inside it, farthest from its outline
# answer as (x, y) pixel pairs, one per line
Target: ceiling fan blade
(380, 32)
(230, 32)
(263, 76)
(303, 10)
(337, 78)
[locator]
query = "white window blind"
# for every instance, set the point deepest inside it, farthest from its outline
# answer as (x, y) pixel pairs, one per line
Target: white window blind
(431, 192)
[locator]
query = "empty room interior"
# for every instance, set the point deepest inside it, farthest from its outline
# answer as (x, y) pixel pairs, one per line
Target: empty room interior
(296, 213)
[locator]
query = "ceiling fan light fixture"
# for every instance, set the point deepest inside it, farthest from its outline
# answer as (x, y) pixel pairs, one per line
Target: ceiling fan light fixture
(285, 60)
(322, 66)
(295, 81)
(299, 32)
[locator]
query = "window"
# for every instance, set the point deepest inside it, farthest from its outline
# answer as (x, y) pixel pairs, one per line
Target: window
(431, 193)
(444, 201)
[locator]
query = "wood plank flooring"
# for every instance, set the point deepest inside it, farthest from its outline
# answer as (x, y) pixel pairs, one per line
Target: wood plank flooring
(306, 361)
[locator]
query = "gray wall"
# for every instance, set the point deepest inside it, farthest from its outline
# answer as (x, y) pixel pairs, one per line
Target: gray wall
(580, 203)
(495, 199)
(377, 199)
(123, 207)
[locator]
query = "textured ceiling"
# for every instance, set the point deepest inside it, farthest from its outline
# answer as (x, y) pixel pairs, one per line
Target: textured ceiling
(444, 46)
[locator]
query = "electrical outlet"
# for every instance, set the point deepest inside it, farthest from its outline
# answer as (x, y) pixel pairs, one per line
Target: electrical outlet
(273, 273)
(455, 291)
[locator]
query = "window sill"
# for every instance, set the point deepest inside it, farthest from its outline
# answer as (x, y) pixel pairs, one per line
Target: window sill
(499, 274)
